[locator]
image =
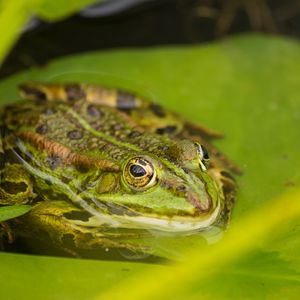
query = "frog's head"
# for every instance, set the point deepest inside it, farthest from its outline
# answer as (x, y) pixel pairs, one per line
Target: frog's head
(169, 188)
(170, 191)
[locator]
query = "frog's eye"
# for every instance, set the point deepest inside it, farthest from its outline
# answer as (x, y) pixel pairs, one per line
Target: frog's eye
(139, 173)
(203, 156)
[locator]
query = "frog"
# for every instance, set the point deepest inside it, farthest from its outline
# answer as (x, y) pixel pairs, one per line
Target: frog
(102, 167)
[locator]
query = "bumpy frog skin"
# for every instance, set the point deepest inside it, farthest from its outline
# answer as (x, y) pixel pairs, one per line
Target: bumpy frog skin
(91, 160)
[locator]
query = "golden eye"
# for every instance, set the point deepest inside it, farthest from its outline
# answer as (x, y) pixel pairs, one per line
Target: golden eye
(139, 173)
(203, 156)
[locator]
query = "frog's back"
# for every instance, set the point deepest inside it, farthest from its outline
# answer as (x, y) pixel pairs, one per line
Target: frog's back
(96, 131)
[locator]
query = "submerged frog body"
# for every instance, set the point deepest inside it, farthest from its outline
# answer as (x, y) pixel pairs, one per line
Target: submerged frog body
(90, 160)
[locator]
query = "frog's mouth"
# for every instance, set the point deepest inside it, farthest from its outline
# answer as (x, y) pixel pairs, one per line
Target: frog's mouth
(179, 224)
(175, 223)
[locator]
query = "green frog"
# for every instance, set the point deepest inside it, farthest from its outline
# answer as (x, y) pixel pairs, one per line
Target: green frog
(102, 167)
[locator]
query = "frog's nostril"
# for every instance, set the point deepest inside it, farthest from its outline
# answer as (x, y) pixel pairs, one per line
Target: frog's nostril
(202, 205)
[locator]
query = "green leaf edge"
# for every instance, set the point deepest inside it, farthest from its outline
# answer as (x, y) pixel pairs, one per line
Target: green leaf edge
(13, 211)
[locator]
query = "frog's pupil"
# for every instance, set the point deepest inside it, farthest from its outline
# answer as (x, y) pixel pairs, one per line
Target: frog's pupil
(205, 153)
(137, 171)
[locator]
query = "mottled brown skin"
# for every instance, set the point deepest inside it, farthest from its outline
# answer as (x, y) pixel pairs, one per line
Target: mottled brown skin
(86, 151)
(144, 114)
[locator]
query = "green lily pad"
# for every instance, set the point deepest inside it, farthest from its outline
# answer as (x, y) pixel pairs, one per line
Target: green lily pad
(10, 212)
(247, 88)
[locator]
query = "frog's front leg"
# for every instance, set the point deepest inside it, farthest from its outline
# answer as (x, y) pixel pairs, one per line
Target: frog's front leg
(5, 231)
(66, 227)
(15, 189)
(15, 185)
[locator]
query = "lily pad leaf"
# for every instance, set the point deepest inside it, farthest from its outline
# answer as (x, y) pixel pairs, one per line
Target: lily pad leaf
(13, 211)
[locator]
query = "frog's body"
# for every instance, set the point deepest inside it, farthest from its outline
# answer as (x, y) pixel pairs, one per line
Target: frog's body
(91, 159)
